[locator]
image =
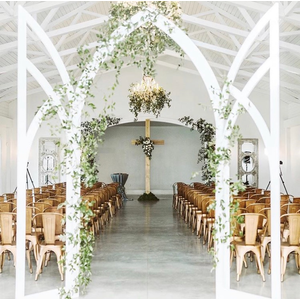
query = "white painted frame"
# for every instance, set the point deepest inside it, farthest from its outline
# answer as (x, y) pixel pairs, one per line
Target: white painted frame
(270, 138)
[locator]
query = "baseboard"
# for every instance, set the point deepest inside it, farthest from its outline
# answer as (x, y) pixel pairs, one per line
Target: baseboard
(155, 192)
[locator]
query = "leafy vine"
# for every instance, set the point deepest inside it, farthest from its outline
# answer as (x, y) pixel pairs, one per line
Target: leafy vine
(141, 48)
(91, 133)
(207, 138)
(212, 157)
(221, 156)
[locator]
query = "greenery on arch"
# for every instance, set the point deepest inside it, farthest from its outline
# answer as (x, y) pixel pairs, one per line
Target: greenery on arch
(212, 157)
(91, 133)
(141, 48)
(207, 137)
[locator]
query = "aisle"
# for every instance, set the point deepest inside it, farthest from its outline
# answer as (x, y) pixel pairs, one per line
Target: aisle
(147, 251)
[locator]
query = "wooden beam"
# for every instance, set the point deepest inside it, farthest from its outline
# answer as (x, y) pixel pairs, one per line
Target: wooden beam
(155, 142)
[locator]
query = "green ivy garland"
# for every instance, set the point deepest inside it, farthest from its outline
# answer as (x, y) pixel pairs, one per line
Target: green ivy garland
(141, 48)
(207, 137)
(212, 157)
(91, 133)
(147, 145)
(221, 156)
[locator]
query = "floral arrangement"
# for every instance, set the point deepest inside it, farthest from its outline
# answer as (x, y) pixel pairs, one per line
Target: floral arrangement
(148, 97)
(147, 145)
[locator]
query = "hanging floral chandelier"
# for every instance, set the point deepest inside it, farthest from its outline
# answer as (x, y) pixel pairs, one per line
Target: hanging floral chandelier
(148, 97)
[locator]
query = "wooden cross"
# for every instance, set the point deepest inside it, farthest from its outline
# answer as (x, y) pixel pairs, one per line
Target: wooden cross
(147, 159)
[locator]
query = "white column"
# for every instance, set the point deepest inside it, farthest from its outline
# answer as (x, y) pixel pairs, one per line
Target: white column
(274, 154)
(21, 159)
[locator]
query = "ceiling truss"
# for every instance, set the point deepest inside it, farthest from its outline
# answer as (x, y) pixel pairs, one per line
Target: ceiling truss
(218, 28)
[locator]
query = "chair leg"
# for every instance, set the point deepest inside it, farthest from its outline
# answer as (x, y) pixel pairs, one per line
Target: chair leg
(40, 263)
(239, 265)
(29, 260)
(2, 257)
(259, 262)
(198, 226)
(284, 257)
(209, 235)
(60, 267)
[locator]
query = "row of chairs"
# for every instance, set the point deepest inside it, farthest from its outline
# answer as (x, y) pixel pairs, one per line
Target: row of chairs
(44, 220)
(194, 203)
(250, 225)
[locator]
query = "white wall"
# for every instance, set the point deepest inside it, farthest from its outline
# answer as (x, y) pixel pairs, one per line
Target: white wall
(7, 155)
(291, 166)
(189, 98)
(176, 160)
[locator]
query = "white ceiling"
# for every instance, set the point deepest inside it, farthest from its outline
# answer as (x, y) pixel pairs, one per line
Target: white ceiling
(218, 28)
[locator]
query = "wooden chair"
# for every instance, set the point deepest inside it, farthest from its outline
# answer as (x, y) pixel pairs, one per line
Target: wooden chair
(236, 230)
(209, 221)
(177, 187)
(266, 237)
(32, 235)
(201, 212)
(249, 243)
(207, 216)
(7, 241)
(50, 242)
(293, 242)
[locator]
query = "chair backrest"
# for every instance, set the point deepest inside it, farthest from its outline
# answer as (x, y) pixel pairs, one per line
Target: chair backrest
(205, 203)
(52, 226)
(50, 201)
(291, 207)
(247, 194)
(49, 226)
(255, 196)
(252, 221)
(28, 192)
(38, 223)
(211, 207)
(296, 200)
(255, 207)
(294, 228)
(267, 212)
(29, 210)
(7, 220)
(8, 196)
(54, 209)
(6, 206)
(264, 199)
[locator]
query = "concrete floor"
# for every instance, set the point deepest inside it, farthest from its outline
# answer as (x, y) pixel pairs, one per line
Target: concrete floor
(147, 251)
